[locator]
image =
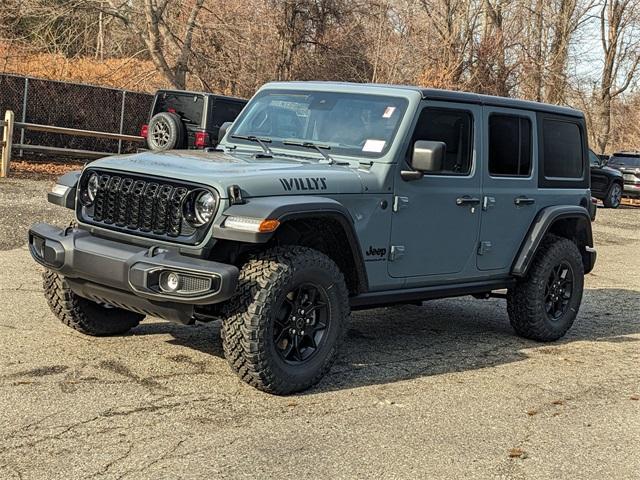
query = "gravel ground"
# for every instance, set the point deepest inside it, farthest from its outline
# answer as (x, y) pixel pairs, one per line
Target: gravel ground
(440, 391)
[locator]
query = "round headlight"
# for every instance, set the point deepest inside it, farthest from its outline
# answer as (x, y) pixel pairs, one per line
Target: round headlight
(92, 187)
(205, 207)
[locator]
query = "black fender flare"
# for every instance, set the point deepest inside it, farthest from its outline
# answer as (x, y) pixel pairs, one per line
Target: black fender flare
(541, 226)
(67, 199)
(290, 207)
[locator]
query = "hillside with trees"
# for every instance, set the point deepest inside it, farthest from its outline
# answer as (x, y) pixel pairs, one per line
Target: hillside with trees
(582, 53)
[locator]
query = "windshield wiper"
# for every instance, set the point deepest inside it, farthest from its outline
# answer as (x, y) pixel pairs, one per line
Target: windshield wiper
(314, 146)
(262, 141)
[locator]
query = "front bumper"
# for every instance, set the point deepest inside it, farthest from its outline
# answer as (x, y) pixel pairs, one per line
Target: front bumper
(128, 276)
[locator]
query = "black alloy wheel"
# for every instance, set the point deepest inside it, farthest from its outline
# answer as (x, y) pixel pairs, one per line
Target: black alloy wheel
(558, 291)
(301, 324)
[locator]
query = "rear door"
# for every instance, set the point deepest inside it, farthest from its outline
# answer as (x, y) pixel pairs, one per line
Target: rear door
(509, 177)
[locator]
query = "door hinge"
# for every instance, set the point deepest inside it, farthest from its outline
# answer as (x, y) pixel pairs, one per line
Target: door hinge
(399, 203)
(488, 202)
(485, 247)
(397, 251)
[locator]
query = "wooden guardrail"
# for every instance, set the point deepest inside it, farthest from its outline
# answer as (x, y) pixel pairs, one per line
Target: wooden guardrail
(9, 124)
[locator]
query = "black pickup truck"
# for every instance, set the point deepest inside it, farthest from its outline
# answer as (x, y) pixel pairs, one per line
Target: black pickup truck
(606, 182)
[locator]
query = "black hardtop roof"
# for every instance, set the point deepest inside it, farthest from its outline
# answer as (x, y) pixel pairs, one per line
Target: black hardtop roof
(189, 92)
(476, 98)
(460, 97)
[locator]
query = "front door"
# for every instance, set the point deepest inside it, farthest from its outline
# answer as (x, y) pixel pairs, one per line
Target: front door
(510, 193)
(436, 218)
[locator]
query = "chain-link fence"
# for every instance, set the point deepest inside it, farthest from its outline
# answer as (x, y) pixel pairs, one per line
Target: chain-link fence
(73, 105)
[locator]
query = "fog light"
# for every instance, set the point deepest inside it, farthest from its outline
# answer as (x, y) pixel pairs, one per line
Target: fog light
(169, 281)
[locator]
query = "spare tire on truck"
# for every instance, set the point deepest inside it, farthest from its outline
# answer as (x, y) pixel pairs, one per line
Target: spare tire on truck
(166, 132)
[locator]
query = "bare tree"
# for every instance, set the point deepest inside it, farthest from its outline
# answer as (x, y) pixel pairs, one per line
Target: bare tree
(169, 46)
(619, 23)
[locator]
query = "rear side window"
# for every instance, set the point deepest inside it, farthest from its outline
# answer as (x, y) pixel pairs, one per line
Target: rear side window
(454, 128)
(188, 106)
(562, 149)
(509, 146)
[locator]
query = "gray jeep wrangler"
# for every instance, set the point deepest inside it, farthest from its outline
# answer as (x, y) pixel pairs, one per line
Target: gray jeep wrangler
(324, 198)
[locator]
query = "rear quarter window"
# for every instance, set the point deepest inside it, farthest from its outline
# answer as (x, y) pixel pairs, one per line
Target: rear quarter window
(563, 155)
(563, 152)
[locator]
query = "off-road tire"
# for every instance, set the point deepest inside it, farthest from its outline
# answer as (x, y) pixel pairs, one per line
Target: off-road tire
(174, 132)
(84, 315)
(526, 301)
(247, 330)
(613, 197)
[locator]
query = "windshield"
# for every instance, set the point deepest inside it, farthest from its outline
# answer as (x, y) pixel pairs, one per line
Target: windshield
(347, 123)
(625, 161)
(593, 159)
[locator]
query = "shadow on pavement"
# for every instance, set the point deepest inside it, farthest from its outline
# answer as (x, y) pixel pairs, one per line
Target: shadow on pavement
(399, 343)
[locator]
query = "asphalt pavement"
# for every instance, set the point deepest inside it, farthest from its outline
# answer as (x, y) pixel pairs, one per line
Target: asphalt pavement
(445, 390)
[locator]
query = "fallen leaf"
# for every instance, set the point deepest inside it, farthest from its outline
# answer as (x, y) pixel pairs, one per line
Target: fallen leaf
(516, 453)
(558, 402)
(532, 412)
(292, 404)
(634, 397)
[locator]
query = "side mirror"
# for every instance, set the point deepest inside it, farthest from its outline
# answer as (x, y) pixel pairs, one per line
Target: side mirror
(427, 157)
(223, 130)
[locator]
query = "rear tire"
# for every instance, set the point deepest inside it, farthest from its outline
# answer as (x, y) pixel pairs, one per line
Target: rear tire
(165, 132)
(283, 328)
(545, 304)
(614, 196)
(84, 315)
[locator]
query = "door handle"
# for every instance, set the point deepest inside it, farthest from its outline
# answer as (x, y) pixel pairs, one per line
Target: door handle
(524, 201)
(467, 200)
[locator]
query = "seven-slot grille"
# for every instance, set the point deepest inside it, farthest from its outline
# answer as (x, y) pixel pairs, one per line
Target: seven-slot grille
(148, 206)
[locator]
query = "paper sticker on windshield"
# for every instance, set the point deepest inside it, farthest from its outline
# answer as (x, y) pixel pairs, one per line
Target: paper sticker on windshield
(388, 112)
(375, 146)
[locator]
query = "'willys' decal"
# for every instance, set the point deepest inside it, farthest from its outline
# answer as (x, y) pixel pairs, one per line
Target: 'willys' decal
(306, 183)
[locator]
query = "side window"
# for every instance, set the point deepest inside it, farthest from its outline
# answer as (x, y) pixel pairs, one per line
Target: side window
(509, 146)
(562, 149)
(453, 127)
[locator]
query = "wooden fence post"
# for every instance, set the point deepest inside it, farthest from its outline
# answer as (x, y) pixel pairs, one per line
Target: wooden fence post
(7, 138)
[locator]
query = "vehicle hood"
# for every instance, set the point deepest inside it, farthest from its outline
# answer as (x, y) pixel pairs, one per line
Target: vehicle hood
(281, 175)
(609, 171)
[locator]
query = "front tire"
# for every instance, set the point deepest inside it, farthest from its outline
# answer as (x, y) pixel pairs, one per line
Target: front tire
(287, 320)
(614, 196)
(545, 304)
(84, 315)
